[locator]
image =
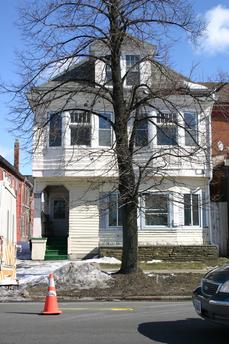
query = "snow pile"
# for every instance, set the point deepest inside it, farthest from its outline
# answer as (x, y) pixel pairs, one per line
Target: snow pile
(67, 275)
(104, 260)
(30, 272)
(81, 275)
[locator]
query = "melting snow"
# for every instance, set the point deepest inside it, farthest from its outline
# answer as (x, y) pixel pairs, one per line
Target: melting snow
(83, 274)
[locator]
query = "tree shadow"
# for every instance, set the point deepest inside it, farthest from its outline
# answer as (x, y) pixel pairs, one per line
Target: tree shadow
(188, 331)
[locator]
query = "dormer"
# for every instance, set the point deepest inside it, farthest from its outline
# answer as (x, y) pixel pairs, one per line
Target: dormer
(135, 62)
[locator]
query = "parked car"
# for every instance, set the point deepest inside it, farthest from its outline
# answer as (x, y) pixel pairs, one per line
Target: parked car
(211, 298)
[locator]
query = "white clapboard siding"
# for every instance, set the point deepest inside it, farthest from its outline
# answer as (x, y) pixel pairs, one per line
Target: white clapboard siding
(83, 222)
(155, 237)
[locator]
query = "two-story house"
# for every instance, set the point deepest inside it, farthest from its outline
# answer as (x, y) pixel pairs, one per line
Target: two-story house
(74, 164)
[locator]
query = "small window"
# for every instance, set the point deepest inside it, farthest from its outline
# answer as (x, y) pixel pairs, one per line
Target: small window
(59, 209)
(105, 129)
(167, 129)
(191, 210)
(191, 125)
(55, 130)
(115, 213)
(80, 128)
(133, 70)
(141, 131)
(108, 71)
(156, 209)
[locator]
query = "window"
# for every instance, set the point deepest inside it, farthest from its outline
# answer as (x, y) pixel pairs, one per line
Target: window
(80, 128)
(156, 209)
(132, 67)
(191, 210)
(105, 130)
(55, 130)
(167, 129)
(115, 214)
(59, 209)
(108, 71)
(141, 131)
(191, 133)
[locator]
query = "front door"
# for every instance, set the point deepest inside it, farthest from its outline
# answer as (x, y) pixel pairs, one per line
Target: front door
(59, 217)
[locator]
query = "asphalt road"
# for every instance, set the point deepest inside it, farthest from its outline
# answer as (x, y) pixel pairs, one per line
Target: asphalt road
(108, 323)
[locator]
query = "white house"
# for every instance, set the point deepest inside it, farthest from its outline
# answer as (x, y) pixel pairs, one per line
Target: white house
(74, 166)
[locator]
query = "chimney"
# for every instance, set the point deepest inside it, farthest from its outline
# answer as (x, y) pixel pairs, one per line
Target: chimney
(16, 154)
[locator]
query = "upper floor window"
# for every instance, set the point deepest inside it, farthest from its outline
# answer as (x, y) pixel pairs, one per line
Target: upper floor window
(141, 131)
(191, 210)
(108, 71)
(156, 209)
(80, 127)
(132, 67)
(167, 129)
(191, 128)
(55, 130)
(105, 129)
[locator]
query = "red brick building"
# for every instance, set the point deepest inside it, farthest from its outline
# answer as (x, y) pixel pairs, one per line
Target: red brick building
(23, 188)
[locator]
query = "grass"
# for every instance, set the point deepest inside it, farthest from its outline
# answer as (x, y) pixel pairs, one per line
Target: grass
(165, 265)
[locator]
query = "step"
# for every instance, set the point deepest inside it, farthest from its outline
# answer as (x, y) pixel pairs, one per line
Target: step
(56, 257)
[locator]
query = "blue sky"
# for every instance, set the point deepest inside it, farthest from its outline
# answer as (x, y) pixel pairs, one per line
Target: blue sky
(211, 58)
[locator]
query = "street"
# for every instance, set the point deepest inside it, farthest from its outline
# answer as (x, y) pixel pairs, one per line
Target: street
(107, 323)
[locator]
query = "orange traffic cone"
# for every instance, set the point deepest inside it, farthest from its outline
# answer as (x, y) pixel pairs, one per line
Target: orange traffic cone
(51, 306)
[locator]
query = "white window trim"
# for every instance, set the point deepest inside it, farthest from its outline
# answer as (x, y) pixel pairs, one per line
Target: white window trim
(169, 216)
(197, 129)
(112, 131)
(75, 125)
(108, 210)
(167, 112)
(200, 226)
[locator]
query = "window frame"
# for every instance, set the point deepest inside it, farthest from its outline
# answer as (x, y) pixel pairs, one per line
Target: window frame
(142, 120)
(78, 125)
(187, 130)
(53, 114)
(169, 210)
(167, 123)
(118, 225)
(192, 210)
(130, 68)
(105, 129)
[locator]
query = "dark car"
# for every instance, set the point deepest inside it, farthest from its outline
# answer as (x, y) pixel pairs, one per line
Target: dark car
(211, 298)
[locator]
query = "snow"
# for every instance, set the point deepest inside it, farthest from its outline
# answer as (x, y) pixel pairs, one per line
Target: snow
(153, 261)
(194, 86)
(83, 274)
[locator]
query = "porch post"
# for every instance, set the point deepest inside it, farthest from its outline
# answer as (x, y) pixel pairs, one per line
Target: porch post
(37, 229)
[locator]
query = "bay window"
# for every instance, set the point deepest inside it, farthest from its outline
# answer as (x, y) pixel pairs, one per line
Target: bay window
(115, 215)
(105, 129)
(156, 209)
(191, 210)
(80, 126)
(191, 128)
(55, 130)
(166, 129)
(141, 131)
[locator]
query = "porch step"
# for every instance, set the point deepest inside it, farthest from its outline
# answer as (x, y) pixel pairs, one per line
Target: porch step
(56, 248)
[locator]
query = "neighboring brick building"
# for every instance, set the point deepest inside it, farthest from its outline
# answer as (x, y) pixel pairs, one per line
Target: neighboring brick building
(23, 189)
(220, 159)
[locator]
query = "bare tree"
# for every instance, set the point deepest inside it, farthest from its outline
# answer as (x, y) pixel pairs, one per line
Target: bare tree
(61, 34)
